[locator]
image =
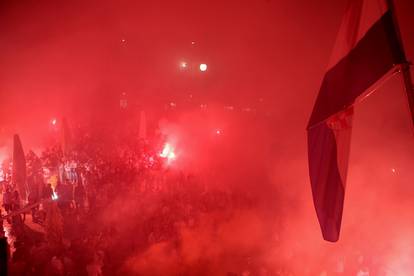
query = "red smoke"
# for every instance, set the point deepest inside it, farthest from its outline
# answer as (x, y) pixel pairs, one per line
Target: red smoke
(265, 63)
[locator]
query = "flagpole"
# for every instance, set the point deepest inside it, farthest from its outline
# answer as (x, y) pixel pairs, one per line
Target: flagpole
(408, 85)
(404, 66)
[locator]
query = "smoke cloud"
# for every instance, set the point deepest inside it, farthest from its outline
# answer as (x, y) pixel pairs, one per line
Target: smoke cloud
(265, 60)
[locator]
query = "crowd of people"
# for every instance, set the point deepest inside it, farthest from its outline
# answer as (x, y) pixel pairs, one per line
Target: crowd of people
(111, 205)
(70, 193)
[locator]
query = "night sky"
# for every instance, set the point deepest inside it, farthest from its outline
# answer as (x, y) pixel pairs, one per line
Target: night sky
(58, 55)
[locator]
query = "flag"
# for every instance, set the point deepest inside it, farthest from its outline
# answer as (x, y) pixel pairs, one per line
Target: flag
(366, 49)
(19, 168)
(66, 137)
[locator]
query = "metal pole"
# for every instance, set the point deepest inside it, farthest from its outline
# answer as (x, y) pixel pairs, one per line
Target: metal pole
(409, 88)
(405, 65)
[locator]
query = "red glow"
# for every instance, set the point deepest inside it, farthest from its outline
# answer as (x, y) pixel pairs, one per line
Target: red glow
(183, 65)
(186, 122)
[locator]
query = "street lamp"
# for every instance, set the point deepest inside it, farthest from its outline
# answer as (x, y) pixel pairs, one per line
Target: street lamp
(203, 67)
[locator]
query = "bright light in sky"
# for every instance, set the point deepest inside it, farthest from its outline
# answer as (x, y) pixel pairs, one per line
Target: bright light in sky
(54, 121)
(183, 65)
(218, 131)
(393, 170)
(203, 67)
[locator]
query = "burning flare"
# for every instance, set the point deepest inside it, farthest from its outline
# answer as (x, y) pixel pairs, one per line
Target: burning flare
(168, 152)
(54, 196)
